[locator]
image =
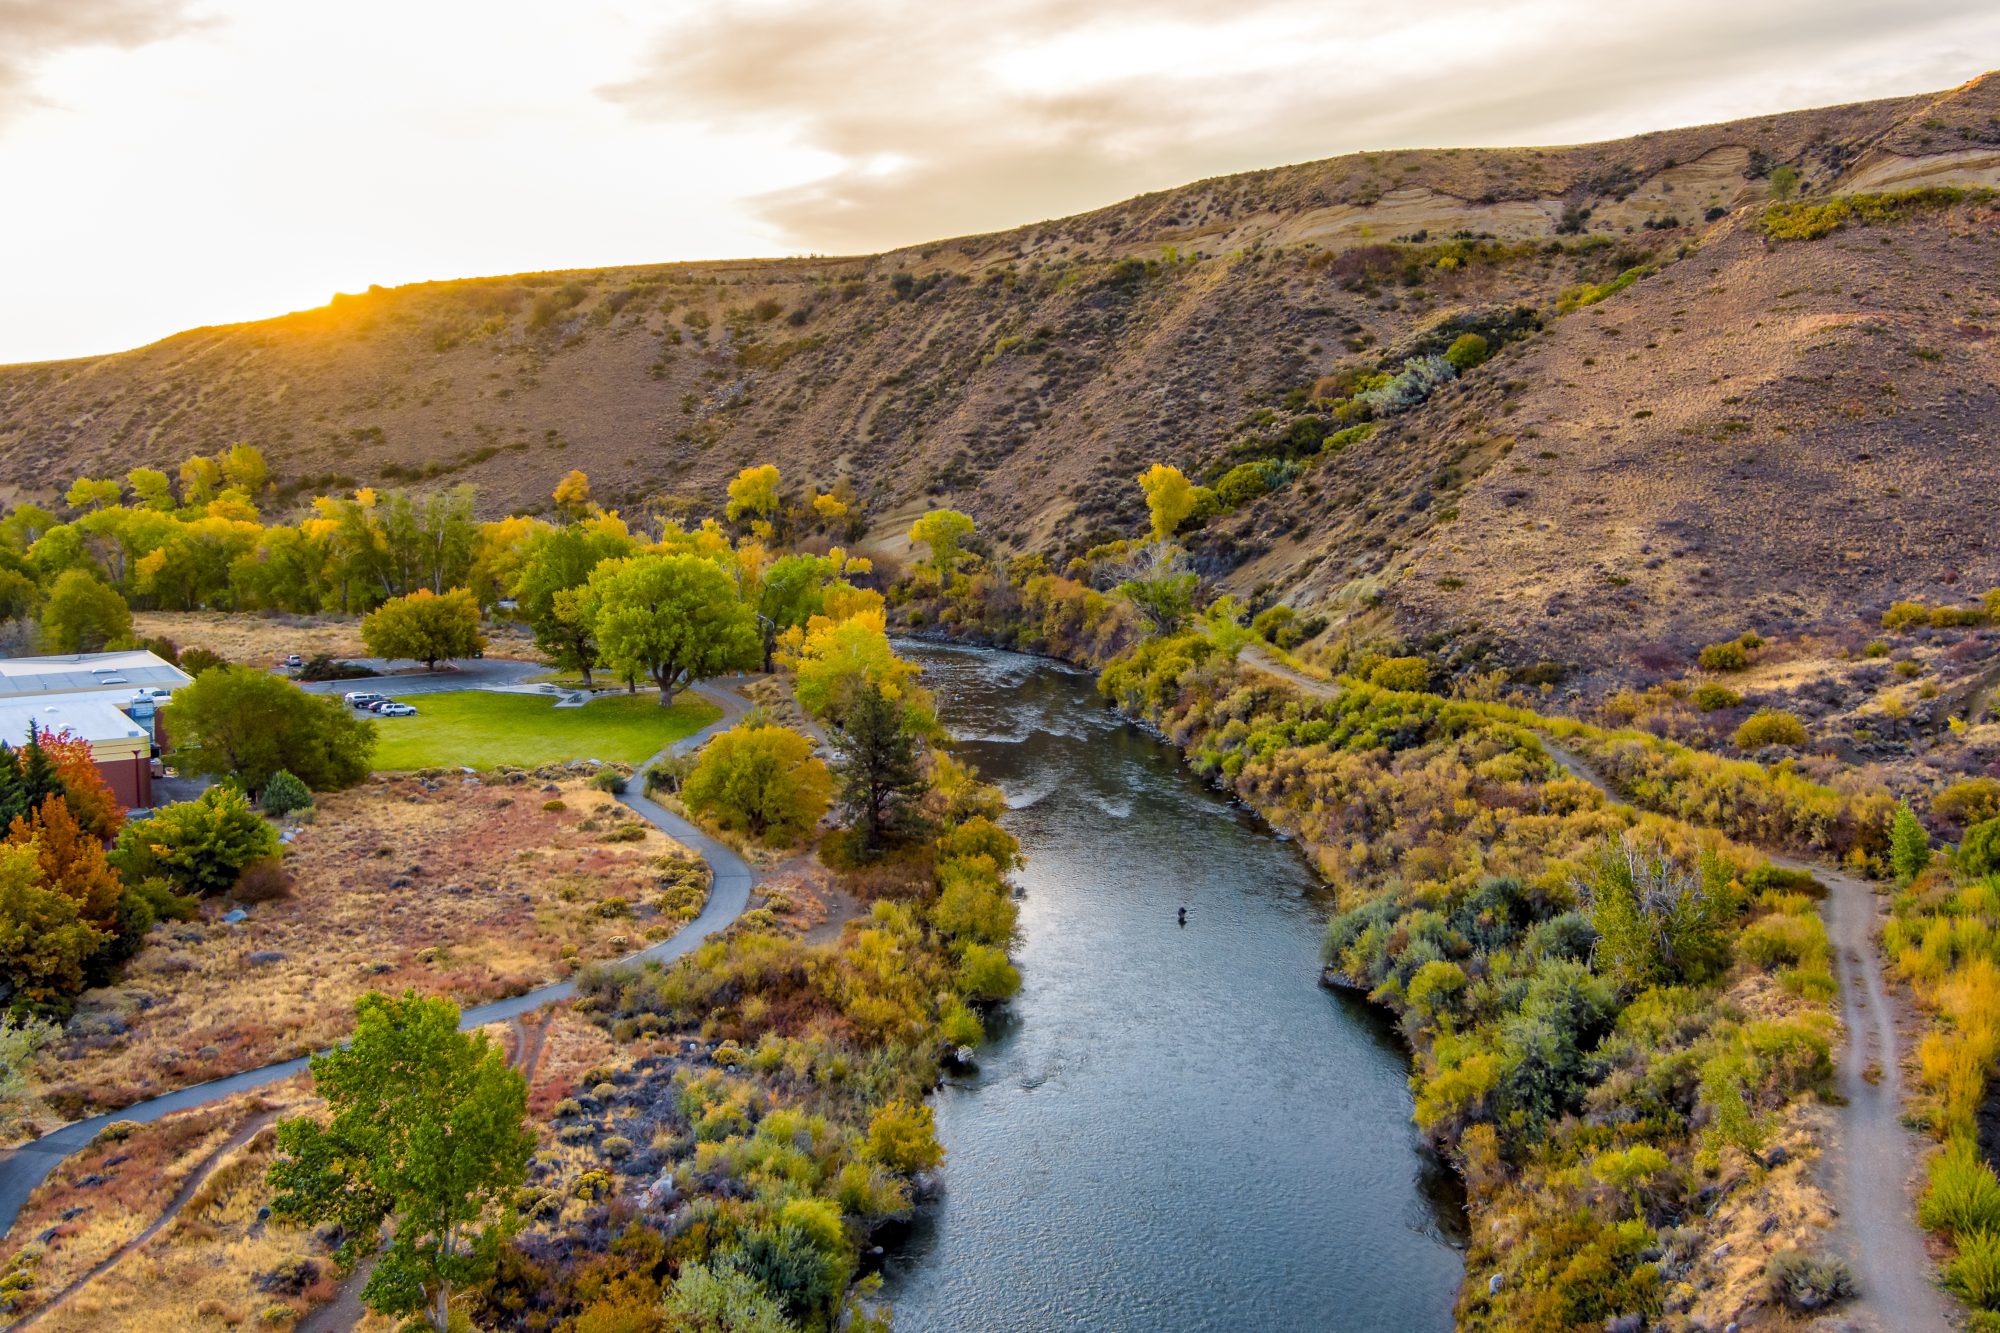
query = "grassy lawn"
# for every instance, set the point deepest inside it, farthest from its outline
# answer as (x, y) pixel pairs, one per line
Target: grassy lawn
(482, 730)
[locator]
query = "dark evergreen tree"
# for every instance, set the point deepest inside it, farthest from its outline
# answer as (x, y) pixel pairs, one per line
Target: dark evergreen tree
(879, 771)
(13, 800)
(39, 778)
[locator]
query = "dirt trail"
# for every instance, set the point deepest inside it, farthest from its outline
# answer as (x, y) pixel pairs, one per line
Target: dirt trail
(196, 1179)
(1874, 1161)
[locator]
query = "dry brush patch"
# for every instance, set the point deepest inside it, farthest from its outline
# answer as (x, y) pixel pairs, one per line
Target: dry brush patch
(467, 891)
(212, 1264)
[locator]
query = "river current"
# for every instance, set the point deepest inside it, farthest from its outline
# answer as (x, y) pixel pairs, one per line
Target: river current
(1174, 1128)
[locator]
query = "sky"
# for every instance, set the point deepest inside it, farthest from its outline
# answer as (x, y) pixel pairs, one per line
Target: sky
(166, 164)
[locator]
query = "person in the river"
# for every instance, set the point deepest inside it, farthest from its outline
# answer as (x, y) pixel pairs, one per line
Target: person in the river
(1184, 916)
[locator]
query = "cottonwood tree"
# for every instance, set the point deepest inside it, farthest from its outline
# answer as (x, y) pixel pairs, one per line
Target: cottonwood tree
(944, 532)
(763, 781)
(1170, 498)
(237, 723)
(425, 627)
(82, 615)
(426, 1131)
(673, 619)
(556, 566)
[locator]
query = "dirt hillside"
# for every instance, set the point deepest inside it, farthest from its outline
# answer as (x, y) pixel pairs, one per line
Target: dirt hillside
(1777, 426)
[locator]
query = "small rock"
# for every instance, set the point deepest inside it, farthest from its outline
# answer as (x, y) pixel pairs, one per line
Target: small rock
(1626, 1323)
(1494, 1283)
(1777, 1157)
(263, 958)
(234, 915)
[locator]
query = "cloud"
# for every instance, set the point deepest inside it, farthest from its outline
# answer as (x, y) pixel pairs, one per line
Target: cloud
(32, 31)
(942, 119)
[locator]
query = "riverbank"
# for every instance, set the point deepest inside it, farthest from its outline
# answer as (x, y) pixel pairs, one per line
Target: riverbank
(1460, 853)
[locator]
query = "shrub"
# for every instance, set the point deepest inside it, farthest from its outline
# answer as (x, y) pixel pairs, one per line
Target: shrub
(1731, 656)
(284, 794)
(763, 781)
(1406, 674)
(1467, 351)
(1975, 1271)
(1979, 853)
(902, 1136)
(199, 846)
(1770, 726)
(1803, 1282)
(555, 805)
(608, 780)
(1967, 802)
(1712, 697)
(1905, 616)
(1964, 1194)
(263, 881)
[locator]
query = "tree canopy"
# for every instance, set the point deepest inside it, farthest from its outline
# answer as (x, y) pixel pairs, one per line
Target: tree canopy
(426, 1131)
(673, 619)
(238, 723)
(425, 627)
(943, 532)
(763, 781)
(82, 615)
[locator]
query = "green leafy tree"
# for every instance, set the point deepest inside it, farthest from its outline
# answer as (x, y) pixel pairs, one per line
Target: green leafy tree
(753, 494)
(554, 570)
(1909, 845)
(425, 627)
(198, 846)
(151, 487)
(674, 619)
(244, 469)
(943, 532)
(82, 615)
(880, 769)
(792, 591)
(763, 781)
(87, 494)
(236, 723)
(426, 1131)
(284, 794)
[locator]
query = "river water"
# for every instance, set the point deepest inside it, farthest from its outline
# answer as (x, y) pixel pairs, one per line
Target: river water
(1176, 1128)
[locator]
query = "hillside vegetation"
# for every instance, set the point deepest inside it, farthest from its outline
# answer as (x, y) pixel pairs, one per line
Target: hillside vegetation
(1685, 416)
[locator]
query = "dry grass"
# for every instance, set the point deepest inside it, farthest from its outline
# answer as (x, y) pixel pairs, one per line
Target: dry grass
(260, 640)
(198, 1271)
(468, 891)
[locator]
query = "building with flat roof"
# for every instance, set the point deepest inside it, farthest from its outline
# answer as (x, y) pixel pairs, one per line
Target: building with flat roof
(121, 746)
(89, 673)
(111, 701)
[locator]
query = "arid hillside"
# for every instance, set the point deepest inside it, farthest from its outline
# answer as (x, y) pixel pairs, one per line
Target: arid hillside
(1750, 424)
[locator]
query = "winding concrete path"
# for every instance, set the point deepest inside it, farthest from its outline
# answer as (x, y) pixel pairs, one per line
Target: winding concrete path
(728, 896)
(1874, 1159)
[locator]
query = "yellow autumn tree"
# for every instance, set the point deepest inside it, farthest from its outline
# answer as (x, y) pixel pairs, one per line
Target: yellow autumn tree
(1170, 497)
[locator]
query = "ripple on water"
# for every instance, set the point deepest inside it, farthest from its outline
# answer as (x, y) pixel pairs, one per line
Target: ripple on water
(1174, 1128)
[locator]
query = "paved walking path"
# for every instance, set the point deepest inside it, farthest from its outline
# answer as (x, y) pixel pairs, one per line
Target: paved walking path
(728, 896)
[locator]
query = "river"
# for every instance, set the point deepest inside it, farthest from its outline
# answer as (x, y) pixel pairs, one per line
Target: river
(1175, 1128)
